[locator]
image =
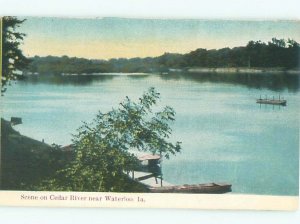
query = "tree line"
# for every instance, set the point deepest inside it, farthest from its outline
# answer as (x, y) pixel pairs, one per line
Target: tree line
(277, 53)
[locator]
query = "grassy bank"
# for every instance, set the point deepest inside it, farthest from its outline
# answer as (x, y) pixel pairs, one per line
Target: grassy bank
(26, 162)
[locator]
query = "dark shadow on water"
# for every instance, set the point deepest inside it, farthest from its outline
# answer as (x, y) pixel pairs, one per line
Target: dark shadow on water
(137, 76)
(76, 80)
(275, 82)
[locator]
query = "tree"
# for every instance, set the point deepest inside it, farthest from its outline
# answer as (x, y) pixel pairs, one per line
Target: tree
(12, 56)
(276, 53)
(102, 147)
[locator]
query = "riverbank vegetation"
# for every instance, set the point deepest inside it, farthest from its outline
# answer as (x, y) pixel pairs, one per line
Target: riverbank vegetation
(12, 57)
(277, 53)
(100, 155)
(25, 162)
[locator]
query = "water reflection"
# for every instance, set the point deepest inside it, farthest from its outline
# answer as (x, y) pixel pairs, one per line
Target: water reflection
(275, 82)
(76, 80)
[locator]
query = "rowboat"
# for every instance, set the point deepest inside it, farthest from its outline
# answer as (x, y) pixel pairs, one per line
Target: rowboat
(210, 188)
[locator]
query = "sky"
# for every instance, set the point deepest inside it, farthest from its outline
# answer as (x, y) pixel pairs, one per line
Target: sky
(105, 38)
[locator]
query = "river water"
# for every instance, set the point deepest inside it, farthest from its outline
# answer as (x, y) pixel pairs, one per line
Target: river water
(225, 135)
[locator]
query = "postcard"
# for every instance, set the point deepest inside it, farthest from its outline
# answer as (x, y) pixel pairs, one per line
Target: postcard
(150, 113)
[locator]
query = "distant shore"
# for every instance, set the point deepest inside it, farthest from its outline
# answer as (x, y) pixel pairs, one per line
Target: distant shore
(204, 70)
(243, 70)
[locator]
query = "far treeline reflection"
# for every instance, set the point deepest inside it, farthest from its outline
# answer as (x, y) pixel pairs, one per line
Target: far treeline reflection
(275, 82)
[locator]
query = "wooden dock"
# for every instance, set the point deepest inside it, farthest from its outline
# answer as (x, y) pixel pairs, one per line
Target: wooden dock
(150, 175)
(150, 180)
(157, 185)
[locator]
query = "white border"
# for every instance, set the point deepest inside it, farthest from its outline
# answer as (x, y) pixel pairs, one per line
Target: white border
(220, 9)
(226, 9)
(148, 200)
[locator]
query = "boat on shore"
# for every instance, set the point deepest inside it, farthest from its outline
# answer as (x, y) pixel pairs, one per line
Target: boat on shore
(210, 188)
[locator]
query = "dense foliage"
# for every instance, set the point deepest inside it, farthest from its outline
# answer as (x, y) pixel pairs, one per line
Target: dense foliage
(102, 155)
(12, 57)
(25, 162)
(277, 53)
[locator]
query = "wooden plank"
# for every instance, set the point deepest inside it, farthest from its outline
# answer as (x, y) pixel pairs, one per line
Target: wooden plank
(145, 177)
(149, 157)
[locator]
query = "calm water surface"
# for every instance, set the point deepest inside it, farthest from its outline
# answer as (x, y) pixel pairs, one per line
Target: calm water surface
(226, 136)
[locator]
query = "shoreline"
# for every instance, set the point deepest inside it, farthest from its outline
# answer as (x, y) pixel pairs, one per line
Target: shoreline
(27, 147)
(243, 71)
(200, 70)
